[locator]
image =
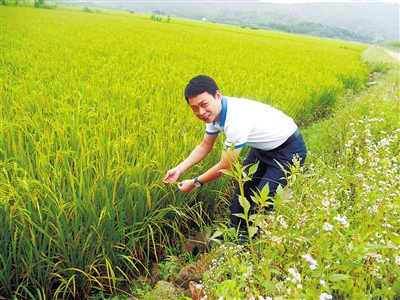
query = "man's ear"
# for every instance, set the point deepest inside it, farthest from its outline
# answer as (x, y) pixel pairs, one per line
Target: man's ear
(218, 95)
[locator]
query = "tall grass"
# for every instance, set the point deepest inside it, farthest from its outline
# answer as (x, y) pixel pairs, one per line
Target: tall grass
(93, 115)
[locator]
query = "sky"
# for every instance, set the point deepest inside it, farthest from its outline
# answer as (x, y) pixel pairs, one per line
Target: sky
(332, 1)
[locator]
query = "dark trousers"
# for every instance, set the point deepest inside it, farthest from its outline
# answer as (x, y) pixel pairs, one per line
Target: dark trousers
(268, 172)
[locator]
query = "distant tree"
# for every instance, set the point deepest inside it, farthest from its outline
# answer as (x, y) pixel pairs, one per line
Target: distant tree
(39, 3)
(42, 4)
(154, 17)
(87, 9)
(9, 2)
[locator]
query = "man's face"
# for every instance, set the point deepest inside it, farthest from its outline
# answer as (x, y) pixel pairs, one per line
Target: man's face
(206, 106)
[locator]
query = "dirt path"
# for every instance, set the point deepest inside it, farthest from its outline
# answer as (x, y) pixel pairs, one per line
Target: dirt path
(393, 54)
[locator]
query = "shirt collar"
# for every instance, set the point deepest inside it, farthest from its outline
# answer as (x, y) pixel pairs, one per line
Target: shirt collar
(222, 117)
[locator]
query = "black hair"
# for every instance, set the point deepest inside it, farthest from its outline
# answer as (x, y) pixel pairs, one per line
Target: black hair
(200, 84)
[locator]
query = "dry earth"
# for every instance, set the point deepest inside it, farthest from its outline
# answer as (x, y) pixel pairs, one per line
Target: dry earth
(393, 54)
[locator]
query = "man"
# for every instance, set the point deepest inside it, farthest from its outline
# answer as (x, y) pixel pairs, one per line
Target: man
(272, 136)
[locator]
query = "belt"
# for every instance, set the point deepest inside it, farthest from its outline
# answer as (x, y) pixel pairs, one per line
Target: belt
(289, 140)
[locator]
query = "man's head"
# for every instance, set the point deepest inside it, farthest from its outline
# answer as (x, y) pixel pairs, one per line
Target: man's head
(204, 97)
(200, 84)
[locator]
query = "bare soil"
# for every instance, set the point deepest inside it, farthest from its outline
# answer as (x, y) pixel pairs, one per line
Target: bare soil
(393, 54)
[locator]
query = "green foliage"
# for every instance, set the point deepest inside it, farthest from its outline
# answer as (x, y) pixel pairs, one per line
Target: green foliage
(154, 17)
(393, 44)
(39, 3)
(169, 268)
(87, 9)
(42, 4)
(9, 2)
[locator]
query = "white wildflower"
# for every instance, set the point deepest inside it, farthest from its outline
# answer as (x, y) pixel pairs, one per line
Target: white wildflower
(282, 221)
(325, 296)
(342, 220)
(313, 262)
(361, 160)
(327, 227)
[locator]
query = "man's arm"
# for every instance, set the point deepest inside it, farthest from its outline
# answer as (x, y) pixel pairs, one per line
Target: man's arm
(197, 155)
(225, 163)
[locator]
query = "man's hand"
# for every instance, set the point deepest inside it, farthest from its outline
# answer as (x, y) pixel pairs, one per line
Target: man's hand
(186, 186)
(172, 175)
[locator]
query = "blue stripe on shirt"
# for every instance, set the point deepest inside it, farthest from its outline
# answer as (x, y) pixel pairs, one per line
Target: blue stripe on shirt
(211, 133)
(237, 146)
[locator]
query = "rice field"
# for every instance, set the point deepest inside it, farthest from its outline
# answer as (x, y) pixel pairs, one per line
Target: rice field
(93, 115)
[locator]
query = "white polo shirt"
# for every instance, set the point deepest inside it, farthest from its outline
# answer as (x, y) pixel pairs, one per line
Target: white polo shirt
(252, 123)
